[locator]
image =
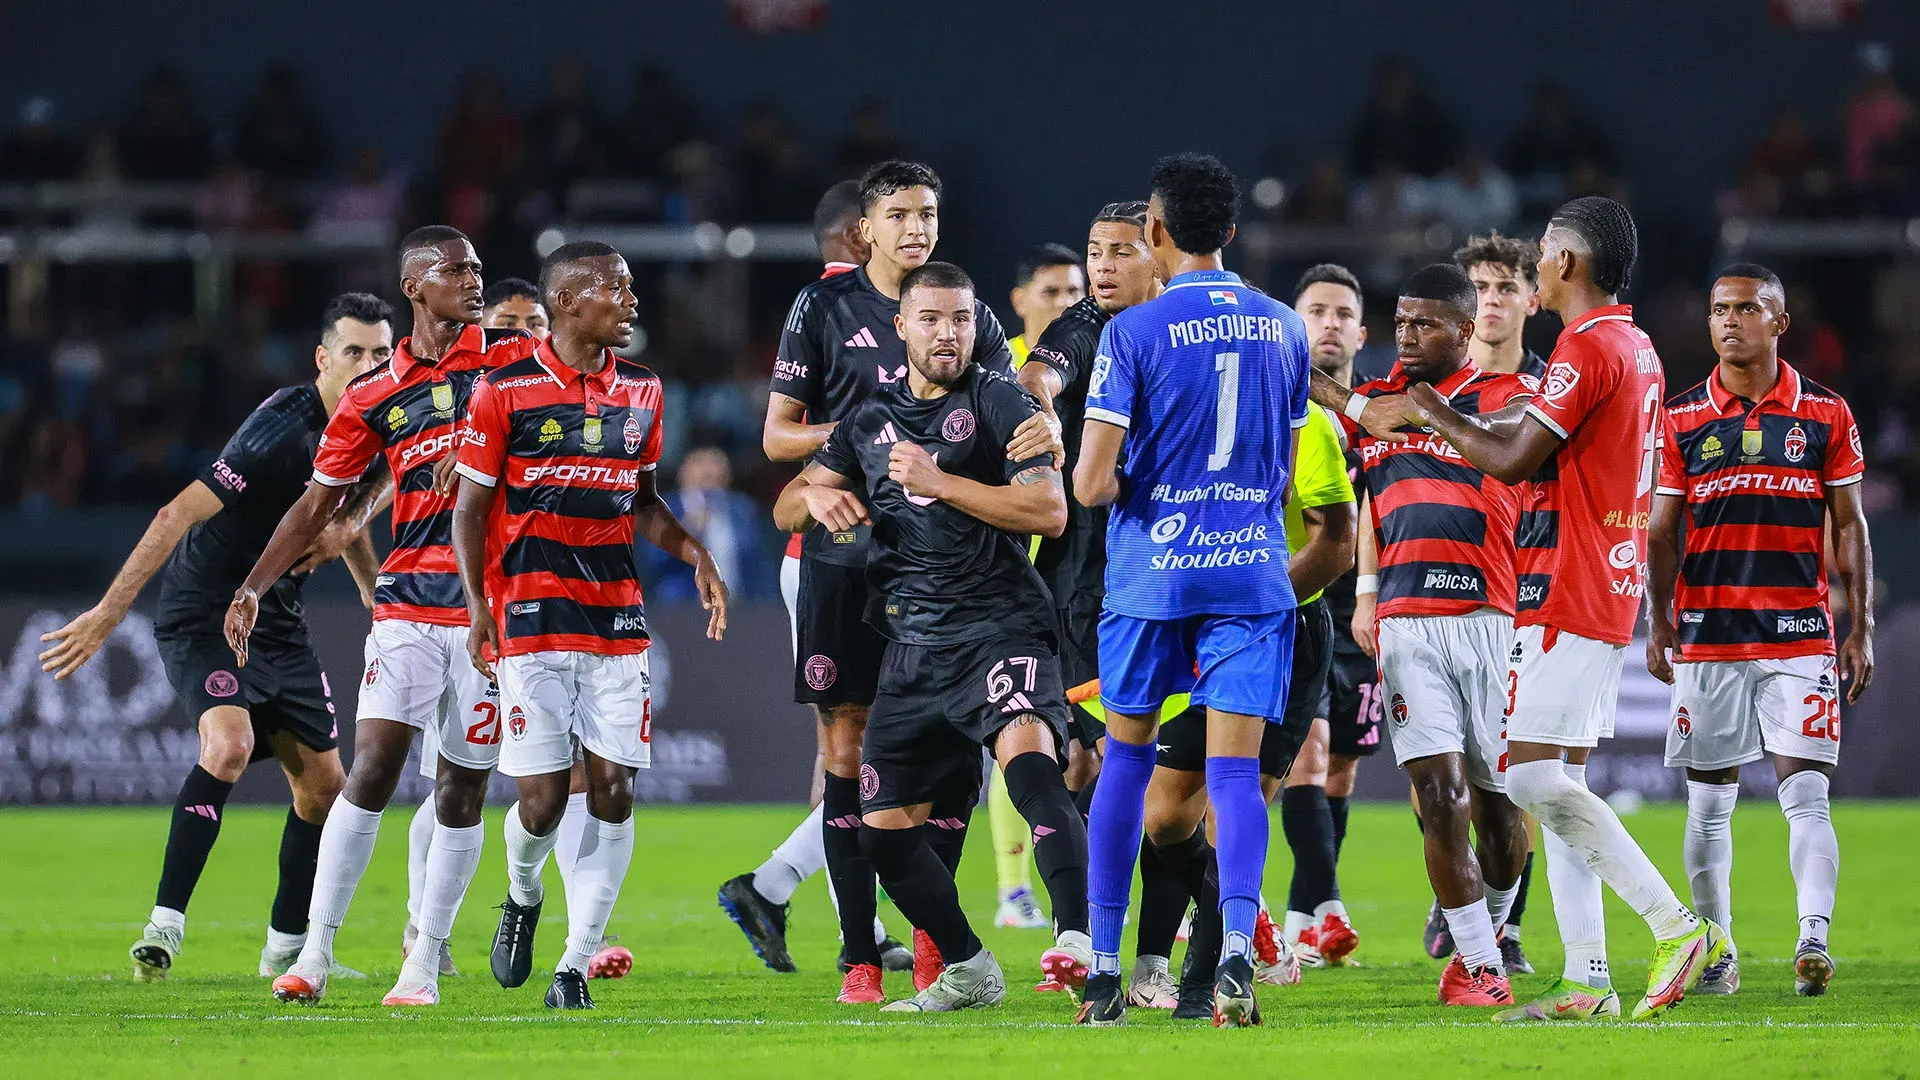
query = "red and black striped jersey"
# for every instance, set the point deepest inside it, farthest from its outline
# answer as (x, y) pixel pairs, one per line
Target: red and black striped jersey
(1753, 580)
(566, 450)
(1444, 530)
(409, 409)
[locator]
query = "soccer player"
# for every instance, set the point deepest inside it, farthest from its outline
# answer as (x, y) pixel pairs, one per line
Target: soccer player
(1047, 281)
(514, 304)
(1203, 388)
(570, 436)
(970, 661)
(757, 901)
(1596, 419)
(281, 705)
(835, 350)
(1346, 728)
(1756, 459)
(1444, 536)
(417, 678)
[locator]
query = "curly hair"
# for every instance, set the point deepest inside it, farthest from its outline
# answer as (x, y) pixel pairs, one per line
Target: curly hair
(1199, 199)
(890, 176)
(1521, 258)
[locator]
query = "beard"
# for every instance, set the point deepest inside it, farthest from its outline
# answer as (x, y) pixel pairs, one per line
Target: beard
(941, 371)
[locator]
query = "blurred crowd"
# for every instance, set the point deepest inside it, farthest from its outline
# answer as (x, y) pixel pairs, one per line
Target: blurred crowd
(111, 391)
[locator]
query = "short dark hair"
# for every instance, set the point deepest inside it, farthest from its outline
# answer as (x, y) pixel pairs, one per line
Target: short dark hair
(1039, 258)
(1444, 282)
(1332, 274)
(566, 255)
(1521, 257)
(1199, 198)
(1751, 270)
(935, 275)
(1610, 236)
(427, 236)
(507, 289)
(838, 208)
(1132, 212)
(890, 176)
(358, 306)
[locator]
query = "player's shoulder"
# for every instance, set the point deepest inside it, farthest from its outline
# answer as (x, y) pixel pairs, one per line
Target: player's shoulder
(1505, 384)
(290, 401)
(821, 295)
(632, 372)
(360, 385)
(1816, 397)
(504, 344)
(1075, 332)
(999, 389)
(1379, 387)
(515, 374)
(1693, 399)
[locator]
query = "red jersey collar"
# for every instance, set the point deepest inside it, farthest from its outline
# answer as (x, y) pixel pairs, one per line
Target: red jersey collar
(835, 269)
(1446, 387)
(471, 339)
(551, 363)
(1785, 392)
(1609, 313)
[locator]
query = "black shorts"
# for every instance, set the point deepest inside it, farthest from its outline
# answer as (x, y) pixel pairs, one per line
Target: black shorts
(1351, 705)
(1183, 740)
(1079, 634)
(939, 704)
(838, 659)
(282, 688)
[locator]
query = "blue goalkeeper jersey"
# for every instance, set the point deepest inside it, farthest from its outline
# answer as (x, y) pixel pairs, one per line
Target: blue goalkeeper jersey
(1210, 382)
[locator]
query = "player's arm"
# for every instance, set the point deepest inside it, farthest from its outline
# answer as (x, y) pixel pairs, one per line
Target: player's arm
(1031, 502)
(75, 643)
(1328, 550)
(786, 435)
(1366, 584)
(799, 383)
(363, 563)
(1042, 380)
(655, 520)
(1853, 555)
(1663, 567)
(819, 496)
(1507, 448)
(1381, 416)
(345, 534)
(1096, 476)
(472, 506)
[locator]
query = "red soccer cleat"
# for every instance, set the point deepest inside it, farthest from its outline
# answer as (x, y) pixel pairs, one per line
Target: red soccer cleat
(1336, 940)
(862, 986)
(611, 962)
(927, 964)
(1266, 944)
(1481, 986)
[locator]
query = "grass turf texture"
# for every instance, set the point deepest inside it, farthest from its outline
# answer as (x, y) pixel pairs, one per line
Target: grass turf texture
(80, 882)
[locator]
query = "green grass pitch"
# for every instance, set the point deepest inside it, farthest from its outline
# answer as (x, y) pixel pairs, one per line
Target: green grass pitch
(78, 883)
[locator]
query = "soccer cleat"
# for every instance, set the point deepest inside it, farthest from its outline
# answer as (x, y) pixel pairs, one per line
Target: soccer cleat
(304, 985)
(1722, 978)
(1103, 1005)
(1337, 939)
(569, 991)
(1514, 958)
(1435, 937)
(1233, 1001)
(894, 956)
(1019, 912)
(862, 986)
(1812, 968)
(1194, 999)
(512, 959)
(969, 985)
(1306, 948)
(1479, 986)
(412, 933)
(610, 962)
(1286, 972)
(153, 954)
(1566, 1000)
(1065, 966)
(927, 964)
(763, 921)
(273, 964)
(1153, 988)
(1266, 943)
(1676, 967)
(405, 993)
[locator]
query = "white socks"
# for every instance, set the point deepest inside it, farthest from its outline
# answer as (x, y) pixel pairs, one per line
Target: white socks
(167, 918)
(599, 867)
(1292, 923)
(526, 858)
(346, 847)
(450, 866)
(1322, 910)
(1812, 850)
(1473, 935)
(1577, 904)
(800, 856)
(1590, 827)
(1708, 849)
(1500, 903)
(568, 842)
(419, 840)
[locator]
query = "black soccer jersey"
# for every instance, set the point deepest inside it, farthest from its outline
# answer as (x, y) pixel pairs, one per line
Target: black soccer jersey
(939, 575)
(838, 346)
(1075, 565)
(262, 471)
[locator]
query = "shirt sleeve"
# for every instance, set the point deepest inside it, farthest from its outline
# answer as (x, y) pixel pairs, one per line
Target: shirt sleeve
(1673, 467)
(1297, 414)
(990, 348)
(799, 370)
(1004, 408)
(1110, 391)
(347, 448)
(1062, 347)
(1320, 468)
(1845, 463)
(483, 438)
(656, 435)
(838, 456)
(1579, 379)
(251, 455)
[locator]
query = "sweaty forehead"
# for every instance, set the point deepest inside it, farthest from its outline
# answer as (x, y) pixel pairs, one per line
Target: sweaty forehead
(1737, 290)
(1416, 307)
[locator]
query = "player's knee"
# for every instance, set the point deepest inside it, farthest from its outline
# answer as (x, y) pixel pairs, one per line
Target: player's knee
(610, 797)
(458, 795)
(225, 751)
(1341, 773)
(1541, 788)
(1443, 796)
(1804, 795)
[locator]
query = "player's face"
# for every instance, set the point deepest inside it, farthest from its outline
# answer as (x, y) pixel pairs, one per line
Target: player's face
(903, 227)
(601, 303)
(1746, 318)
(351, 348)
(1505, 302)
(1332, 314)
(447, 283)
(937, 325)
(1159, 241)
(1553, 256)
(1052, 290)
(1431, 336)
(1119, 266)
(518, 312)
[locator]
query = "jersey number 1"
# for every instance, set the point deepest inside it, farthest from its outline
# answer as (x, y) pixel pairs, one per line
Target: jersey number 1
(1226, 416)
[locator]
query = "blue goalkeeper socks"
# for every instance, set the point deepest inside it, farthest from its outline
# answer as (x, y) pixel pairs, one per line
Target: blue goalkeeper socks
(1113, 843)
(1240, 827)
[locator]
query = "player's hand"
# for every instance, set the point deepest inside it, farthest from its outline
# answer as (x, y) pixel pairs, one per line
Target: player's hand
(914, 469)
(1363, 624)
(239, 623)
(1663, 643)
(1856, 664)
(1038, 434)
(443, 474)
(835, 508)
(483, 643)
(1385, 415)
(338, 535)
(713, 595)
(76, 642)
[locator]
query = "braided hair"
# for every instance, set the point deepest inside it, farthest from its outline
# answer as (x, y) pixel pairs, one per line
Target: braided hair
(1612, 241)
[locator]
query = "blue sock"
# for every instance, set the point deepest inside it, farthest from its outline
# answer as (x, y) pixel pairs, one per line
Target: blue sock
(1240, 826)
(1113, 843)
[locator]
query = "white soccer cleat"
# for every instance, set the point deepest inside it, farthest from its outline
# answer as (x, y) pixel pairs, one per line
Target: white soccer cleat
(1153, 987)
(153, 954)
(1721, 978)
(302, 983)
(1066, 964)
(1284, 971)
(1018, 911)
(970, 985)
(412, 934)
(412, 990)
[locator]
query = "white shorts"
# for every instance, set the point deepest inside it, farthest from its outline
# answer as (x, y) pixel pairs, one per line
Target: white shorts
(418, 674)
(557, 699)
(1726, 712)
(790, 592)
(1445, 681)
(1565, 695)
